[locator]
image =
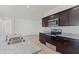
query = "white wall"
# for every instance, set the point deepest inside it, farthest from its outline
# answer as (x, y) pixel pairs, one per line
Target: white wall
(12, 25)
(27, 26)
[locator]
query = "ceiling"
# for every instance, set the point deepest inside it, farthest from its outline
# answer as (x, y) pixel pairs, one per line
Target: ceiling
(21, 11)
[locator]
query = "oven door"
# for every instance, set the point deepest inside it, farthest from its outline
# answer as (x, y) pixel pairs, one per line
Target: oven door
(53, 22)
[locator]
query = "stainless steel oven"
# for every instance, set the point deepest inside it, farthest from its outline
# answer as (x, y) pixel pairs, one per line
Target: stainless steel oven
(53, 22)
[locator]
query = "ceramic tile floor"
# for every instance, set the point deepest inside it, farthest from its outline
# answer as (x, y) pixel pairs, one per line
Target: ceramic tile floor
(44, 49)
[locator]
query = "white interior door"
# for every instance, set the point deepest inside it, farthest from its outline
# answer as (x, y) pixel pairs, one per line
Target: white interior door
(6, 26)
(1, 31)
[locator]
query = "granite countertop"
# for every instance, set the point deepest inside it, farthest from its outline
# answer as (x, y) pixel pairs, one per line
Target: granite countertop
(69, 35)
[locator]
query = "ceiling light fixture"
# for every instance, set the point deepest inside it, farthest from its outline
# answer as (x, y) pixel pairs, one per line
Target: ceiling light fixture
(27, 6)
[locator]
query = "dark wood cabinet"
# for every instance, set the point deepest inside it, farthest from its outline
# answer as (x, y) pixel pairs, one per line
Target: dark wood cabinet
(74, 16)
(68, 17)
(67, 45)
(54, 16)
(46, 19)
(63, 45)
(42, 38)
(45, 22)
(64, 18)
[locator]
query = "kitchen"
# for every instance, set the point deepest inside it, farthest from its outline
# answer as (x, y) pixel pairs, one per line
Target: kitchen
(60, 29)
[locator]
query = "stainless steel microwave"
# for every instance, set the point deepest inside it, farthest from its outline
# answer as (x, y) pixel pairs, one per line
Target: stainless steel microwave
(53, 22)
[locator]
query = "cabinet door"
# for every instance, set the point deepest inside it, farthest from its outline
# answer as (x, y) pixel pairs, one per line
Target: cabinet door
(74, 16)
(67, 45)
(73, 46)
(45, 22)
(42, 38)
(64, 18)
(61, 45)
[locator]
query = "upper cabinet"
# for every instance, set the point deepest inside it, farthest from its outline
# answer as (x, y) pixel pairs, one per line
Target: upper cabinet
(74, 16)
(68, 17)
(64, 18)
(45, 22)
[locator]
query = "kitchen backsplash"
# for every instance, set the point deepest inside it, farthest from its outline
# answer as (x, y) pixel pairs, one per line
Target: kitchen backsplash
(45, 29)
(65, 29)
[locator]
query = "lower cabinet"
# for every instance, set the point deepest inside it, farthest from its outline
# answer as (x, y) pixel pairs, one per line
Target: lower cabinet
(67, 45)
(43, 38)
(63, 45)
